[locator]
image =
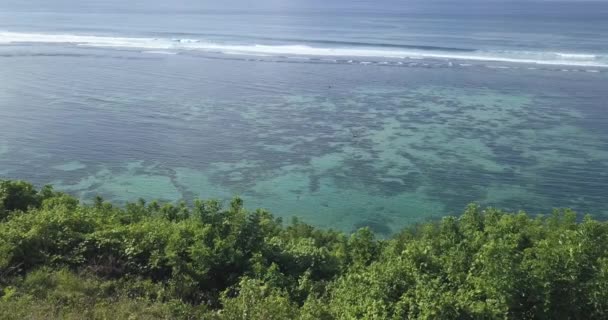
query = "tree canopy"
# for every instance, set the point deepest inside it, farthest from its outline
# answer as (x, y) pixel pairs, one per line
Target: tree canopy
(60, 258)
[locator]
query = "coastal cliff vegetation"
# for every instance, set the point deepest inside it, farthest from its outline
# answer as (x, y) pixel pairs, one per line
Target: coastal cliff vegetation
(63, 259)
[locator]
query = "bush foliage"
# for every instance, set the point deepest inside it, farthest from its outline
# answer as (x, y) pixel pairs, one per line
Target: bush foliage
(63, 259)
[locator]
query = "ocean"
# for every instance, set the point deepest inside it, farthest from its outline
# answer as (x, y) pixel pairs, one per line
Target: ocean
(344, 114)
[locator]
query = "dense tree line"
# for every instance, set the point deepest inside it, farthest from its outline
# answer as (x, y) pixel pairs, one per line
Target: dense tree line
(63, 259)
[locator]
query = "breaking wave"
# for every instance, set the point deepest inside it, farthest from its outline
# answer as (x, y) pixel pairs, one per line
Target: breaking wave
(167, 45)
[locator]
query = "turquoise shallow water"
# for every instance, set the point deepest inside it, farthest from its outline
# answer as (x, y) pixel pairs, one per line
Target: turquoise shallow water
(381, 116)
(337, 145)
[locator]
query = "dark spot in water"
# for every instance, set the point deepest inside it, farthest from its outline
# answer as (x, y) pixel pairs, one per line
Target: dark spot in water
(95, 186)
(314, 184)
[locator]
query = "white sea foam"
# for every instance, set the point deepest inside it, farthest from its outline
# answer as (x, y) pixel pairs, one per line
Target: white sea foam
(576, 56)
(186, 40)
(161, 52)
(156, 44)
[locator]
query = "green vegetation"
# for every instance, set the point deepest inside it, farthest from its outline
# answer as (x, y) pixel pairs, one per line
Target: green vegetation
(63, 259)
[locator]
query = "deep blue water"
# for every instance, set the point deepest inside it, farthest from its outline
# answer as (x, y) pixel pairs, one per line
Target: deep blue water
(344, 113)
